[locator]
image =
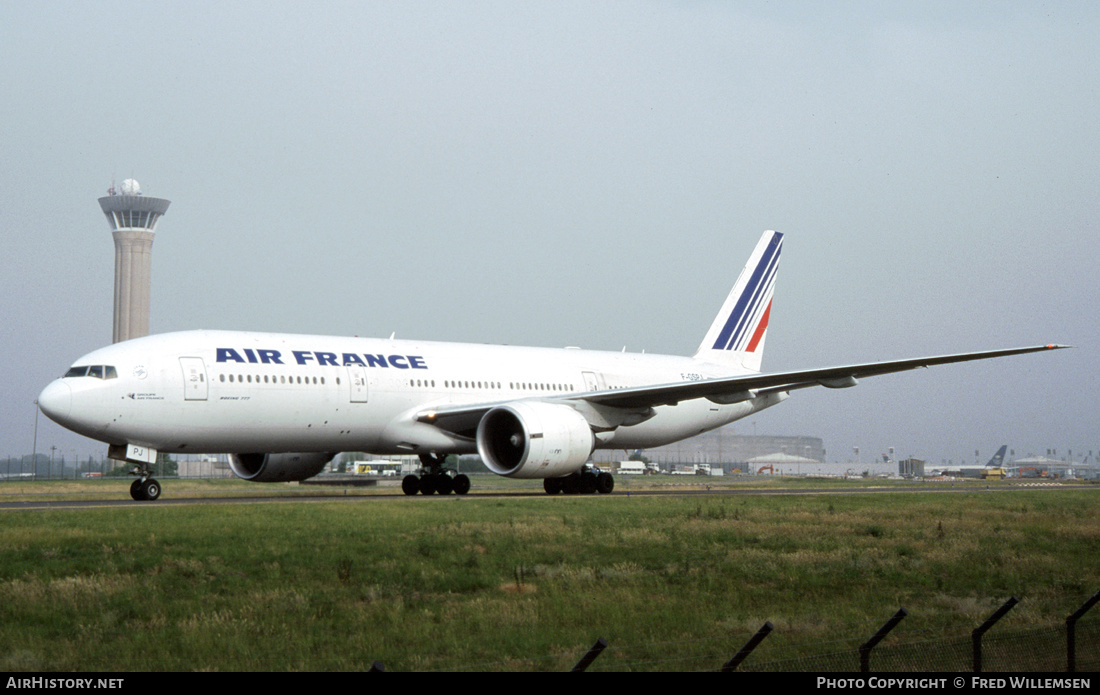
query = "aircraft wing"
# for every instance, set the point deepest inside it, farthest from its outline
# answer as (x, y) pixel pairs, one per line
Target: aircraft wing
(463, 419)
(728, 389)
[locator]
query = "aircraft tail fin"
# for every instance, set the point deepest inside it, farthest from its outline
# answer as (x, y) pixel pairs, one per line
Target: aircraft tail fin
(737, 335)
(998, 458)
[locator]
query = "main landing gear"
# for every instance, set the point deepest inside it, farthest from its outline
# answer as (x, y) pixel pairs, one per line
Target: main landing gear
(435, 479)
(584, 482)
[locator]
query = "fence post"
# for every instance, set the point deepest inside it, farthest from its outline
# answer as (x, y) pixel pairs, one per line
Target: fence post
(756, 639)
(976, 636)
(589, 657)
(1071, 631)
(866, 647)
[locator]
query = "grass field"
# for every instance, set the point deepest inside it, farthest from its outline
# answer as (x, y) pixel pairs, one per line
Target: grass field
(527, 583)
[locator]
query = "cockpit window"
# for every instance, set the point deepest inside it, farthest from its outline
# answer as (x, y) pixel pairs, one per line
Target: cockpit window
(99, 371)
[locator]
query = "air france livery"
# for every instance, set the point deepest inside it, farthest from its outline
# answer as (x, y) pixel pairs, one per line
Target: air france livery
(284, 405)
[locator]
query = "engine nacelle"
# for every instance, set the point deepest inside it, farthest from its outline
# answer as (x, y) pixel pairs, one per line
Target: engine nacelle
(277, 468)
(534, 440)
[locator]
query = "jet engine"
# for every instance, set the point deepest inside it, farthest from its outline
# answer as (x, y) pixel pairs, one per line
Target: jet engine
(534, 440)
(277, 468)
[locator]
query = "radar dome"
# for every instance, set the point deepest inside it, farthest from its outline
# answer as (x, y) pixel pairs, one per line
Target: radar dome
(130, 187)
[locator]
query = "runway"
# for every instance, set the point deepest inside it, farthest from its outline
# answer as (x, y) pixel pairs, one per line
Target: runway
(75, 501)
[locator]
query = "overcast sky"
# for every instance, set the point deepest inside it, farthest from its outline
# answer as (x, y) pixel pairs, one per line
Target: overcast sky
(589, 173)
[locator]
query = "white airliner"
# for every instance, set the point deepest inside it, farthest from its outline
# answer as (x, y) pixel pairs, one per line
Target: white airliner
(284, 405)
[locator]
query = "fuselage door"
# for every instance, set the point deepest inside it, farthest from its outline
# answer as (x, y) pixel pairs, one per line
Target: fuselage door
(592, 381)
(357, 378)
(194, 379)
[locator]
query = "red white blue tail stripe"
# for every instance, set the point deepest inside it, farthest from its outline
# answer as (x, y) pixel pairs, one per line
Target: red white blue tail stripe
(743, 321)
(749, 318)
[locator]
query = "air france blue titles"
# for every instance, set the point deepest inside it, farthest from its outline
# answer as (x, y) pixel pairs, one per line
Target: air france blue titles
(331, 359)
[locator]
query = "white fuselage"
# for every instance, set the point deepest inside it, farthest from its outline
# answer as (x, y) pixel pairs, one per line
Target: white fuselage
(239, 392)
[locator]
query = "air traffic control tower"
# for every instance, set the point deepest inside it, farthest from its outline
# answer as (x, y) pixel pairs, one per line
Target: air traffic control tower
(133, 218)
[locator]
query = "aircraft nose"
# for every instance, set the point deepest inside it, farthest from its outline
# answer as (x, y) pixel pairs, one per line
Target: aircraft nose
(56, 400)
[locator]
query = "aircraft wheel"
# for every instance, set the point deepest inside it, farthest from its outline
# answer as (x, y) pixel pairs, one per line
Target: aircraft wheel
(443, 484)
(605, 483)
(410, 484)
(571, 484)
(136, 491)
(587, 484)
(150, 489)
(552, 485)
(461, 484)
(427, 485)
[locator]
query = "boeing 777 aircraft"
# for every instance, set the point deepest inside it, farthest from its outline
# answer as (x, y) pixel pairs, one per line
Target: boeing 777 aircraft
(284, 405)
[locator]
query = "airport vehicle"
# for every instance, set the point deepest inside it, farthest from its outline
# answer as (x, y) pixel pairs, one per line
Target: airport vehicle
(284, 405)
(631, 468)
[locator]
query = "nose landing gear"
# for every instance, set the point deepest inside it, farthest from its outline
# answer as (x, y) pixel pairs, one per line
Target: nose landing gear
(145, 489)
(141, 460)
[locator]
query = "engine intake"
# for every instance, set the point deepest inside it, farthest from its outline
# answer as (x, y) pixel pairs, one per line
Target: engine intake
(534, 440)
(277, 468)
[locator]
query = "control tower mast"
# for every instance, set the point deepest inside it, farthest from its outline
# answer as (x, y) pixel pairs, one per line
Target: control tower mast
(133, 218)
